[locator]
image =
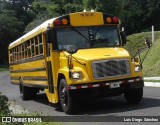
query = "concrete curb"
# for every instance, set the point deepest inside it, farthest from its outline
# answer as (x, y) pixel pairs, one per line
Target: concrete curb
(151, 78)
(152, 84)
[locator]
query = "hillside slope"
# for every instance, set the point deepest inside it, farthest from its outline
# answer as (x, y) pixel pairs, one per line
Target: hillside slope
(136, 41)
(151, 64)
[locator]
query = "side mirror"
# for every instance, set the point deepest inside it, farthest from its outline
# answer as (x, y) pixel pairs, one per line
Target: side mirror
(123, 37)
(71, 49)
(50, 35)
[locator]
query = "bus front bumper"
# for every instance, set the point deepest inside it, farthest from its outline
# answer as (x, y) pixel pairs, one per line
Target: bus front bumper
(105, 89)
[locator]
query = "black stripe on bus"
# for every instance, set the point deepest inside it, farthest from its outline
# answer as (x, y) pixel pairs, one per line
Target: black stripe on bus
(35, 78)
(50, 77)
(28, 70)
(27, 60)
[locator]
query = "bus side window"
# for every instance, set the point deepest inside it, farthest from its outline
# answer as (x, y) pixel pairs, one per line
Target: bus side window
(32, 47)
(40, 45)
(16, 53)
(36, 45)
(19, 53)
(23, 51)
(11, 55)
(28, 49)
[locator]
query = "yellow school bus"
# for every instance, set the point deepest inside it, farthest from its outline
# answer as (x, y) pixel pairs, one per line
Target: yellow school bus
(75, 56)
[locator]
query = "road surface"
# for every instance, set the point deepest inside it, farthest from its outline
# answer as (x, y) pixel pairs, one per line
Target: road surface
(114, 106)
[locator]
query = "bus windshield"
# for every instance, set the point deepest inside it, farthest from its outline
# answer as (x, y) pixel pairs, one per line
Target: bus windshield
(88, 37)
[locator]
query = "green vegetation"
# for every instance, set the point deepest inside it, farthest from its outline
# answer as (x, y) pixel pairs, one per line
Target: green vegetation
(4, 108)
(152, 81)
(4, 111)
(151, 63)
(20, 16)
(137, 41)
(3, 67)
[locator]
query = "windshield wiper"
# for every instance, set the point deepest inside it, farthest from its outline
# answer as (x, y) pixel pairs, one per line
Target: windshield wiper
(79, 33)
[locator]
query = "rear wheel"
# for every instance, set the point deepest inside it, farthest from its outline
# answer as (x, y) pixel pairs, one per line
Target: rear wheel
(27, 93)
(134, 96)
(68, 104)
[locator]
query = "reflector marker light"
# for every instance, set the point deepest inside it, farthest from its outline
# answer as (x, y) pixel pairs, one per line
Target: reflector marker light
(103, 84)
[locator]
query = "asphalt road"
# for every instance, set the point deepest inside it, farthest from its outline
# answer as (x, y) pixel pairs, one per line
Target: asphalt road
(112, 106)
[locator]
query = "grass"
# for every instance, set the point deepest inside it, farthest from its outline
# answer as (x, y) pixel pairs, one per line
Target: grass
(136, 41)
(3, 67)
(151, 63)
(152, 80)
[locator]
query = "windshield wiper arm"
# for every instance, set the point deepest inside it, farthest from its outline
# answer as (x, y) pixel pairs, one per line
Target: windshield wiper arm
(79, 33)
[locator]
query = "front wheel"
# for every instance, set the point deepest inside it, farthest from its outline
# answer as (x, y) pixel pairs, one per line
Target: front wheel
(67, 103)
(134, 96)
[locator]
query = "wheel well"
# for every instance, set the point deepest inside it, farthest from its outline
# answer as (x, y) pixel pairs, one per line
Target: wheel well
(60, 76)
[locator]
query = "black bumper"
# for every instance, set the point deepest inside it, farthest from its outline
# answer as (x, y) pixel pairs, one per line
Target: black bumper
(106, 91)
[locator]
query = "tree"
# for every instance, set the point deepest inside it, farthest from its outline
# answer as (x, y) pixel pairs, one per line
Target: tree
(12, 22)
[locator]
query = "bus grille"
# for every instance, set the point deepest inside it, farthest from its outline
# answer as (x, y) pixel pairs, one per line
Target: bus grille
(110, 68)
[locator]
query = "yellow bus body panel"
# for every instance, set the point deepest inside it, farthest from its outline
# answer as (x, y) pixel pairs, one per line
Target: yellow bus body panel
(87, 56)
(86, 19)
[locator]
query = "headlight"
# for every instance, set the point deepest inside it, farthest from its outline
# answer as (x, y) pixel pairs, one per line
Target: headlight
(137, 68)
(76, 75)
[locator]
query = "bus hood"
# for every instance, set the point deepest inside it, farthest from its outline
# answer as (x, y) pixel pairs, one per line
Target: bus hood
(101, 53)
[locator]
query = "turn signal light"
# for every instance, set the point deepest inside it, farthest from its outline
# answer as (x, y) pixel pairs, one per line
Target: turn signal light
(109, 20)
(64, 21)
(59, 22)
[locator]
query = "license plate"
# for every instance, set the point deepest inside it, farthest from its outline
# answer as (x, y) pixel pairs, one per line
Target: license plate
(114, 85)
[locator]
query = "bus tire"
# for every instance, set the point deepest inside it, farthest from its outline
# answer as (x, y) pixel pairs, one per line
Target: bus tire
(134, 96)
(27, 93)
(23, 91)
(68, 104)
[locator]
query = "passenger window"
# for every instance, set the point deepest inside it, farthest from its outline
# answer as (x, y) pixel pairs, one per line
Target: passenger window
(36, 45)
(11, 55)
(32, 47)
(23, 51)
(40, 44)
(28, 49)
